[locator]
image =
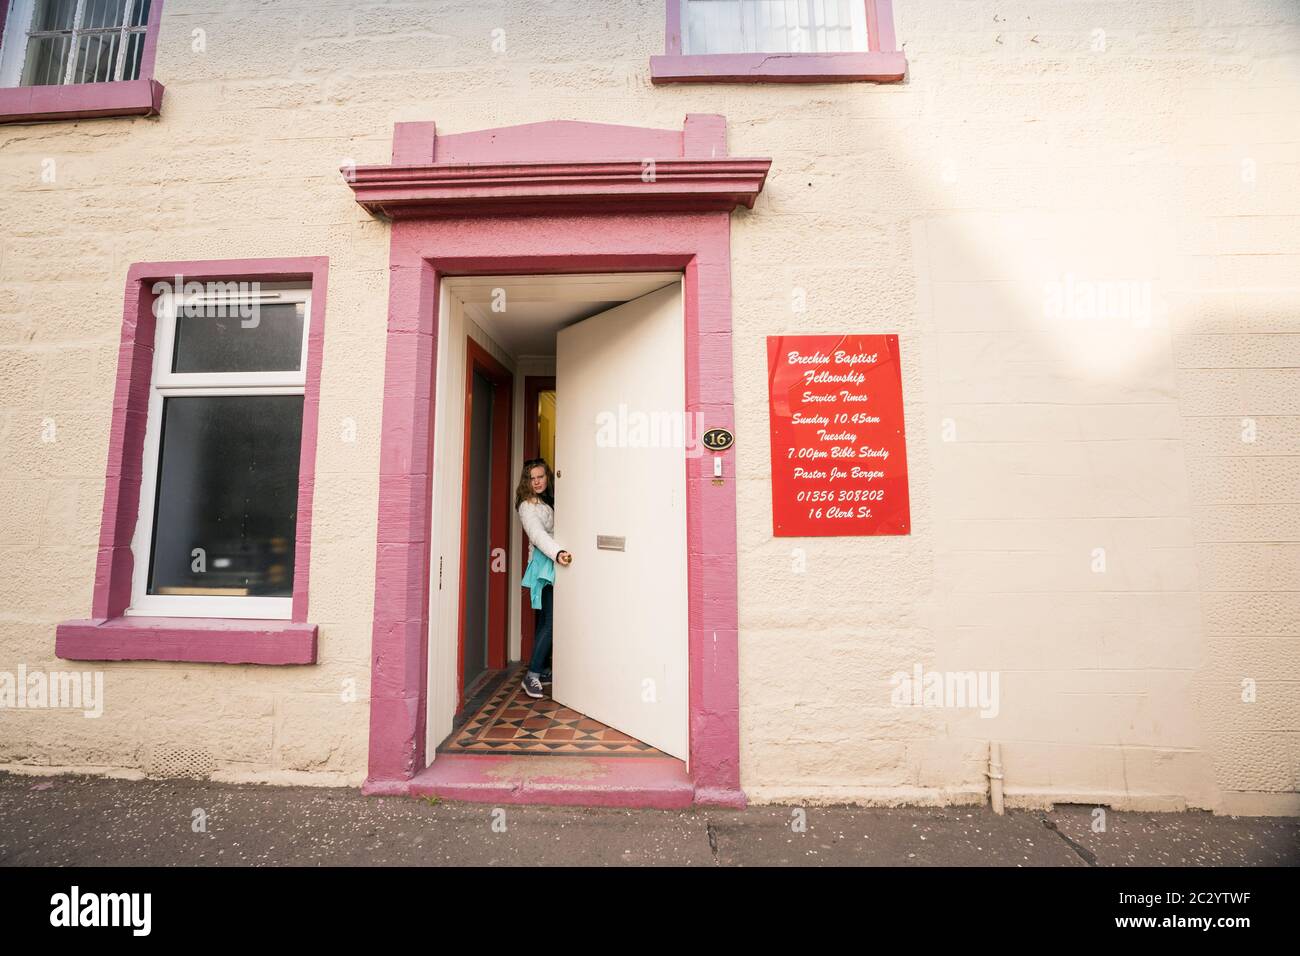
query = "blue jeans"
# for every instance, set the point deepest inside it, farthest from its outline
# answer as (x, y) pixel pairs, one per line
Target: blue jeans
(542, 634)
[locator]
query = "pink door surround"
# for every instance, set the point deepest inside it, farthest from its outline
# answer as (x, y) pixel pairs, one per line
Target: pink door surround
(554, 197)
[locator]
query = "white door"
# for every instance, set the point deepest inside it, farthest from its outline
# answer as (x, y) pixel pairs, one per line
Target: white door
(620, 651)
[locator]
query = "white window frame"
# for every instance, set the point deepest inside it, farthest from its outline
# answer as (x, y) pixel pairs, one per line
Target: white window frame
(857, 18)
(13, 56)
(164, 384)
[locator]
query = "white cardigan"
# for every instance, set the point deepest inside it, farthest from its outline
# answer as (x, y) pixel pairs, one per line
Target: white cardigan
(538, 520)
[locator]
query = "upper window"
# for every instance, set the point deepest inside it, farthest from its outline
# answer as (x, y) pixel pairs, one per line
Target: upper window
(78, 59)
(219, 493)
(773, 26)
(778, 41)
(59, 42)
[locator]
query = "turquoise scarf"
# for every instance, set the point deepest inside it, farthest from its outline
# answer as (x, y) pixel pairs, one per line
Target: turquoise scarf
(539, 573)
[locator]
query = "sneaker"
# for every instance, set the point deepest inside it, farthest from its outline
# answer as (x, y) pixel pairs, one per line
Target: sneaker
(546, 677)
(533, 686)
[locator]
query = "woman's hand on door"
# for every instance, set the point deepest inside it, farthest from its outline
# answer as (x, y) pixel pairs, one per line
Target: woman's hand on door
(564, 558)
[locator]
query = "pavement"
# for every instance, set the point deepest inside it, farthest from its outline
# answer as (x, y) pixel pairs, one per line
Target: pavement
(99, 821)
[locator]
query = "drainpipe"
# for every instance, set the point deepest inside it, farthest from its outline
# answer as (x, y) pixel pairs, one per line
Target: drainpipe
(994, 773)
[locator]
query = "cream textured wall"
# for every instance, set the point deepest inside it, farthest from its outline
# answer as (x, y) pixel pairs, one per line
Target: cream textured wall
(1025, 149)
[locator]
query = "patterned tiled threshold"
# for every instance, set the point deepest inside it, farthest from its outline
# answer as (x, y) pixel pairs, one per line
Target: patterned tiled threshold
(511, 722)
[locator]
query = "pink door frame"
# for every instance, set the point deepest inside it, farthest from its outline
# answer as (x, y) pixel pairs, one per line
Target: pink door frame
(687, 228)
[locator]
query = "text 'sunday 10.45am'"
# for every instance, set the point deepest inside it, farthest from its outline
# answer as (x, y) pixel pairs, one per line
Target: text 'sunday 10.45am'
(839, 461)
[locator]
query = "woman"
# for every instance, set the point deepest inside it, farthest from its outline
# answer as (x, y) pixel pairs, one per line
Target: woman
(534, 502)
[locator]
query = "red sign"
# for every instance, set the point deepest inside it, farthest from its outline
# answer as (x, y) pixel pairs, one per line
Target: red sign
(839, 462)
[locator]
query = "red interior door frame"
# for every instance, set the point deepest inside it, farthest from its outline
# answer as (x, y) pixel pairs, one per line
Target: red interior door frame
(534, 385)
(500, 502)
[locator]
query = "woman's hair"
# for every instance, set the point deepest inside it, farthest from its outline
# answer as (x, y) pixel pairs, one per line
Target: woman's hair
(524, 491)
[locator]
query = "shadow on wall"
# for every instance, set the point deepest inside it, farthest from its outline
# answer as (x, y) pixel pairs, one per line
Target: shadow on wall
(1108, 350)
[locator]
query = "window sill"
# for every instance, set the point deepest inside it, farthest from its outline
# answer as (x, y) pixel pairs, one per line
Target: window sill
(29, 104)
(778, 68)
(186, 639)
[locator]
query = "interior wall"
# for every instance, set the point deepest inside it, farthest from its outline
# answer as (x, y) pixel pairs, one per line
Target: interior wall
(546, 427)
(528, 365)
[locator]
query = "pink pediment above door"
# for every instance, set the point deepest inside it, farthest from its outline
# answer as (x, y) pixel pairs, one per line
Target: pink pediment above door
(559, 165)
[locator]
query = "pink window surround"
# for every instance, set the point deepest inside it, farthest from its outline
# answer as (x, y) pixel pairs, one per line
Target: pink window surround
(138, 97)
(109, 635)
(521, 225)
(882, 62)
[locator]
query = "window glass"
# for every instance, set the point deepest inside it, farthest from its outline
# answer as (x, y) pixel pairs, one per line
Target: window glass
(47, 60)
(64, 41)
(227, 497)
(134, 54)
(96, 57)
(103, 13)
(773, 26)
(54, 15)
(226, 338)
